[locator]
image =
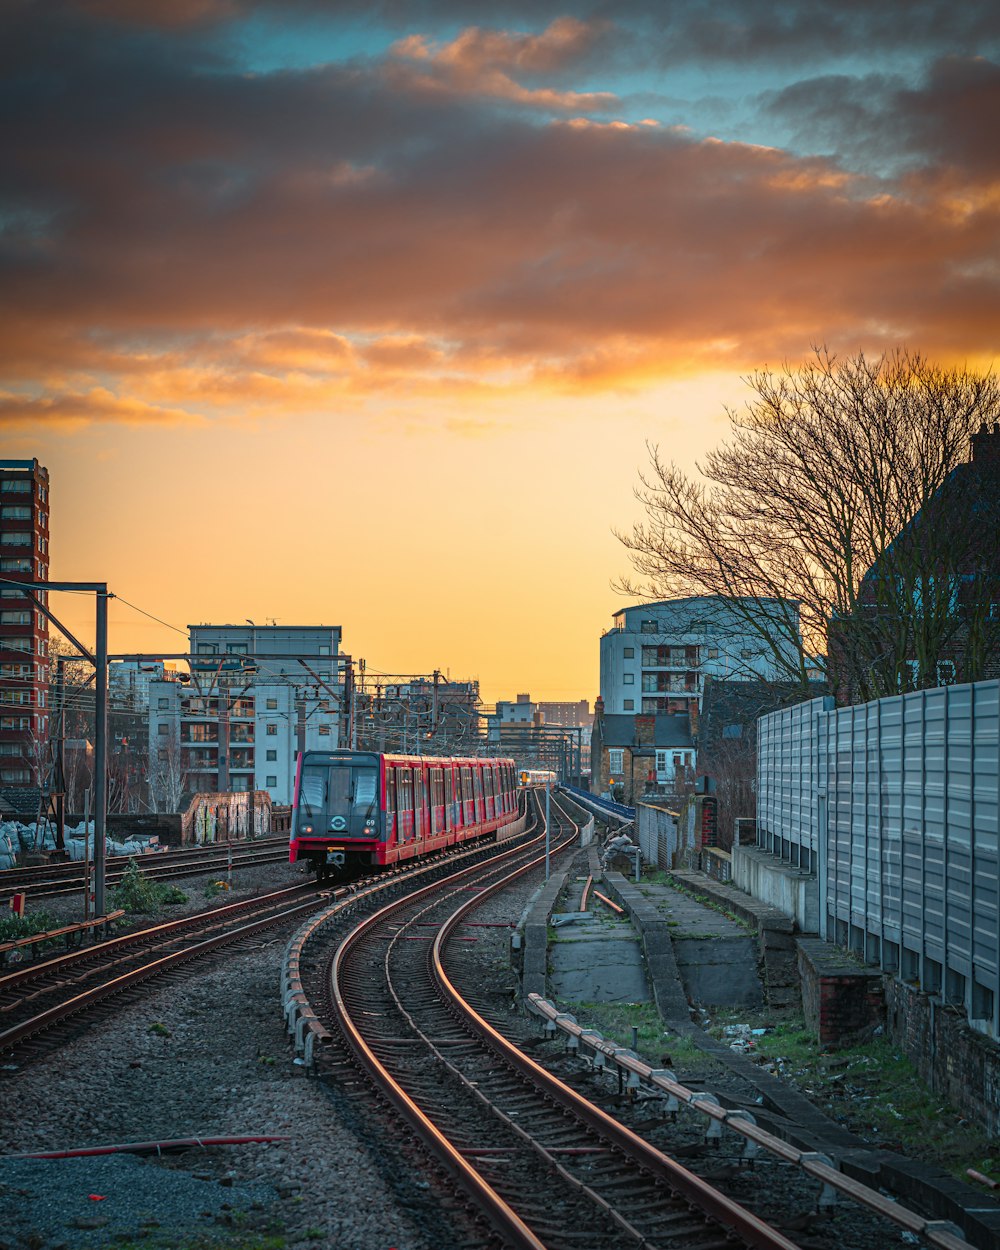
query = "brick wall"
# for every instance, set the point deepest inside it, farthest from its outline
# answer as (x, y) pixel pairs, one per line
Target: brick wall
(955, 1061)
(843, 1002)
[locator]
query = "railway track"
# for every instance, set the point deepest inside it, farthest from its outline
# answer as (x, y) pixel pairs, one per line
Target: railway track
(40, 1001)
(50, 880)
(542, 1166)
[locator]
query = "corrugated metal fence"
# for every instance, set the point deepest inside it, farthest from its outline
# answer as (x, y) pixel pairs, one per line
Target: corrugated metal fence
(894, 804)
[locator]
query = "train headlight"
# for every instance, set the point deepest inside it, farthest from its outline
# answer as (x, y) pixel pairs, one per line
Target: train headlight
(307, 829)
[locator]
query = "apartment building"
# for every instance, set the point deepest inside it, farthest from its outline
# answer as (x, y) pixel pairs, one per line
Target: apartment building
(24, 631)
(519, 711)
(656, 656)
(257, 696)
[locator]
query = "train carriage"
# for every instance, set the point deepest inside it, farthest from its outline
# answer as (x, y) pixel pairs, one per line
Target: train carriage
(360, 808)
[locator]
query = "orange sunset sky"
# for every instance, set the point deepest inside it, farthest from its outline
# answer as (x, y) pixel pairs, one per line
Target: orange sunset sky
(363, 314)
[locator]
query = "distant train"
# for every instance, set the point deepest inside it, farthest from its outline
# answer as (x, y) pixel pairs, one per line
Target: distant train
(536, 777)
(359, 808)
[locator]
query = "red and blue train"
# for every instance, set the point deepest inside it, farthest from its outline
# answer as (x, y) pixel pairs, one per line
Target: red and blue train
(362, 809)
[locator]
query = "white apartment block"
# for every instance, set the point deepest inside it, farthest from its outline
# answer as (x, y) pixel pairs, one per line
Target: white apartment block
(129, 682)
(241, 721)
(656, 656)
(517, 712)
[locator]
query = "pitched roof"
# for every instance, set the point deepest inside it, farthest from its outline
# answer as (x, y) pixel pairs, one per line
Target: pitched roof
(619, 730)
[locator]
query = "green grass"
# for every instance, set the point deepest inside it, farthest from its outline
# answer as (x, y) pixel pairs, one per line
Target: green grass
(876, 1092)
(614, 1022)
(14, 927)
(236, 1240)
(138, 893)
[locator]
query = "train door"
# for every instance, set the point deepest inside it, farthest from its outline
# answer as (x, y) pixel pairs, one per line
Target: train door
(468, 799)
(477, 782)
(404, 803)
(436, 778)
(389, 828)
(419, 818)
(489, 794)
(449, 797)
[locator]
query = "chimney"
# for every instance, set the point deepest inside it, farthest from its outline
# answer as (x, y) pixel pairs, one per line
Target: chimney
(645, 731)
(986, 445)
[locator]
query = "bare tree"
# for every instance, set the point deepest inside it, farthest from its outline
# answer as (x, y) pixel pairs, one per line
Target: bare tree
(166, 777)
(834, 511)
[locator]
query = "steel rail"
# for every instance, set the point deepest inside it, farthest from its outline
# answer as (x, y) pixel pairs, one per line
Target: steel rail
(934, 1232)
(697, 1191)
(47, 880)
(500, 1214)
(88, 998)
(67, 959)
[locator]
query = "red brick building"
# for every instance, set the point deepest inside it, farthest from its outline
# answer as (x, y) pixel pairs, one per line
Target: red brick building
(24, 632)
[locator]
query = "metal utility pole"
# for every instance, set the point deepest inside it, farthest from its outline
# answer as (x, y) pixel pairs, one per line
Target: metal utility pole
(100, 750)
(548, 787)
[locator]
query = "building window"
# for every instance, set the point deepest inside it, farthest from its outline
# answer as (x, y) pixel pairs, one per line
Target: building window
(324, 649)
(647, 627)
(272, 757)
(945, 672)
(629, 653)
(628, 679)
(629, 705)
(17, 485)
(271, 781)
(324, 730)
(616, 760)
(12, 512)
(271, 704)
(162, 728)
(15, 618)
(162, 704)
(208, 648)
(18, 565)
(272, 729)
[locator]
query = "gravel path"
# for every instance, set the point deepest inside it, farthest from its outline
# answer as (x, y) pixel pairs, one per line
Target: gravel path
(206, 1056)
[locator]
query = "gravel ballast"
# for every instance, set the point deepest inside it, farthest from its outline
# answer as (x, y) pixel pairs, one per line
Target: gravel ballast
(204, 1057)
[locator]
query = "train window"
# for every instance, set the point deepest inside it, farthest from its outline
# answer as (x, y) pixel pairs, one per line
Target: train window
(390, 802)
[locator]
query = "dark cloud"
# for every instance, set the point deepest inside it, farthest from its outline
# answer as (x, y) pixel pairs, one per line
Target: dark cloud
(200, 234)
(949, 120)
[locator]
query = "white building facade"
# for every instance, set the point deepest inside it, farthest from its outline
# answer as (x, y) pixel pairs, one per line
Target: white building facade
(258, 695)
(656, 656)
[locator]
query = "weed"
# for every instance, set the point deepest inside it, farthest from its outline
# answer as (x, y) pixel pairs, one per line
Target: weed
(655, 1045)
(214, 888)
(138, 893)
(159, 1029)
(874, 1090)
(14, 927)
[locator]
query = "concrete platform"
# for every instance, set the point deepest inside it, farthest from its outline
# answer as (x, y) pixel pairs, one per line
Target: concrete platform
(597, 961)
(716, 957)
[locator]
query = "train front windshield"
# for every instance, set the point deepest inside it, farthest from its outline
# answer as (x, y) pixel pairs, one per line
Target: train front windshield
(339, 798)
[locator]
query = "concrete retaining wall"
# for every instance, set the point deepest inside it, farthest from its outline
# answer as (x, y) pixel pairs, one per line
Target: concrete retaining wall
(791, 891)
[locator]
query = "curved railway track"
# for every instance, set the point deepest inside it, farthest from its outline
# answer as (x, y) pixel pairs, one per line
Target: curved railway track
(49, 880)
(40, 1001)
(543, 1167)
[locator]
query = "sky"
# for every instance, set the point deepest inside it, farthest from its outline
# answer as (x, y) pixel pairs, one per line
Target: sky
(364, 314)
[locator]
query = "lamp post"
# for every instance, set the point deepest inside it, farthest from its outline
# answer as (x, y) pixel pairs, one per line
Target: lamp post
(548, 789)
